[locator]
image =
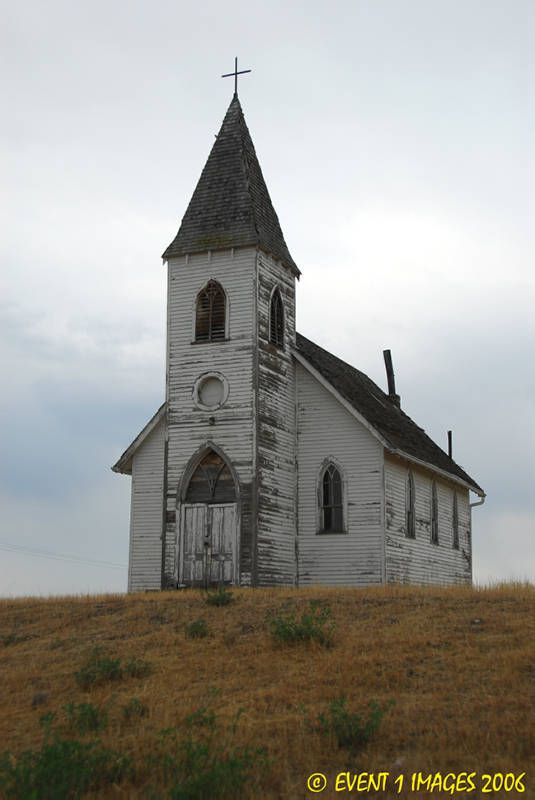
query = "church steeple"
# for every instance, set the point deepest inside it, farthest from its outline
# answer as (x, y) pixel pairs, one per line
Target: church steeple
(231, 206)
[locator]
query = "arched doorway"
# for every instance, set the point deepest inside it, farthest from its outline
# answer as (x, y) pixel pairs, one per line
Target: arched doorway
(208, 551)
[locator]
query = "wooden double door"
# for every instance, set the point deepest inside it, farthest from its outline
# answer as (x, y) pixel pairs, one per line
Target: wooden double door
(209, 544)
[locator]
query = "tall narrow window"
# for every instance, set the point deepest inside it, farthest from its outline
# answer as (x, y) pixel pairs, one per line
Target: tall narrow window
(455, 522)
(210, 313)
(434, 514)
(410, 529)
(332, 508)
(276, 320)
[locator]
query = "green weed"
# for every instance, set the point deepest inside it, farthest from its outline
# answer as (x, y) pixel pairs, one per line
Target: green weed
(200, 766)
(197, 629)
(85, 717)
(314, 624)
(351, 730)
(219, 597)
(134, 708)
(137, 668)
(99, 668)
(60, 770)
(14, 638)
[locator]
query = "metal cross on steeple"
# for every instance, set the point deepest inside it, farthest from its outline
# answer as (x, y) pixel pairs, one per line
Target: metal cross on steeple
(235, 73)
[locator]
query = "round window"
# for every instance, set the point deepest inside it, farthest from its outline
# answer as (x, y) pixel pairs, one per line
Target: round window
(210, 391)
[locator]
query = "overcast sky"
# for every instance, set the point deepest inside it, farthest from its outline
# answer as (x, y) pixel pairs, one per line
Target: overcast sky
(396, 139)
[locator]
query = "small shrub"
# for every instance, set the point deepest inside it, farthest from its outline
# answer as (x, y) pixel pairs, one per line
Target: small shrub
(61, 769)
(202, 718)
(350, 729)
(98, 669)
(201, 767)
(85, 717)
(134, 708)
(219, 597)
(315, 624)
(101, 668)
(201, 772)
(14, 638)
(137, 668)
(46, 721)
(197, 629)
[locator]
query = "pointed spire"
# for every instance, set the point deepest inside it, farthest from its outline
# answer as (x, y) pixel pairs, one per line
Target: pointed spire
(230, 206)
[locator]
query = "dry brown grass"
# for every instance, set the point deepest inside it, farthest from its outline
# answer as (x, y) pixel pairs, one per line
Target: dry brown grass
(459, 663)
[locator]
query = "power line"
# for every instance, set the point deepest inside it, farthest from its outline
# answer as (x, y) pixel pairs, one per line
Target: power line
(66, 557)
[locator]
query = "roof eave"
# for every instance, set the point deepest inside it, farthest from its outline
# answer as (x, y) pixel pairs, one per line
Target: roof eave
(124, 464)
(438, 470)
(288, 264)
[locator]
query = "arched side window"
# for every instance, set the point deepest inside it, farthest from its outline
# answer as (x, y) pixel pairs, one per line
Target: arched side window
(210, 313)
(455, 521)
(434, 514)
(212, 482)
(331, 501)
(410, 522)
(276, 320)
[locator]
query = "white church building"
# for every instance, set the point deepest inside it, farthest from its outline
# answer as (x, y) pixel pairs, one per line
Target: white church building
(272, 461)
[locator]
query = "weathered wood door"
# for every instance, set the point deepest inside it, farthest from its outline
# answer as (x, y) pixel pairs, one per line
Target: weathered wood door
(208, 548)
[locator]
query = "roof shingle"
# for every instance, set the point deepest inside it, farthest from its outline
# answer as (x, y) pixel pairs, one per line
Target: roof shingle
(395, 427)
(231, 206)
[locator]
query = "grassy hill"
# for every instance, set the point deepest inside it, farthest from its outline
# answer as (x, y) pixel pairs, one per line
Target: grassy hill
(166, 695)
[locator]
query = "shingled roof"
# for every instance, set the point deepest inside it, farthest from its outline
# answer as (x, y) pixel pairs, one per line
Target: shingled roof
(394, 426)
(231, 206)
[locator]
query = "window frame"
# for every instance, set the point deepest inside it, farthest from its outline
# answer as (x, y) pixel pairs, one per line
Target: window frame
(410, 506)
(211, 282)
(327, 464)
(434, 513)
(278, 340)
(455, 521)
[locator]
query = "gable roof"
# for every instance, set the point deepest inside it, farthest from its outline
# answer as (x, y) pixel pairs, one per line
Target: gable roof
(231, 206)
(124, 464)
(394, 427)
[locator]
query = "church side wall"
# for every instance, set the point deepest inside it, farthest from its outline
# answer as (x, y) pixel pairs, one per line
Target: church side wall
(275, 431)
(231, 427)
(145, 564)
(418, 560)
(327, 431)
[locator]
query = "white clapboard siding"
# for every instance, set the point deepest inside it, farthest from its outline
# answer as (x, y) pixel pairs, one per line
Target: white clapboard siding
(418, 560)
(146, 513)
(275, 431)
(326, 430)
(231, 427)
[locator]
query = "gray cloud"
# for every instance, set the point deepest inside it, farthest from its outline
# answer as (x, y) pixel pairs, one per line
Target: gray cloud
(396, 143)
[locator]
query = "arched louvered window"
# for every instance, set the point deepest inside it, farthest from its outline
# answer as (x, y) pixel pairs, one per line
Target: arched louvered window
(276, 320)
(210, 313)
(410, 522)
(331, 501)
(455, 521)
(212, 482)
(434, 514)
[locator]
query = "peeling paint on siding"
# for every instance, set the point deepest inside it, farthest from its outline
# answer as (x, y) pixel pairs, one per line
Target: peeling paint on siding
(418, 560)
(232, 426)
(275, 431)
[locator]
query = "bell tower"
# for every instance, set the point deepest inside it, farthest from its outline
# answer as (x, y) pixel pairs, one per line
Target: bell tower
(230, 454)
